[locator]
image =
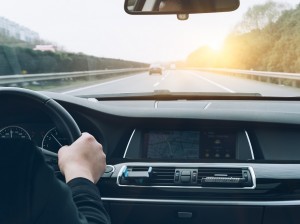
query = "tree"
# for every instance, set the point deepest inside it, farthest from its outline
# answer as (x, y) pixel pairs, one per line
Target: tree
(259, 16)
(274, 47)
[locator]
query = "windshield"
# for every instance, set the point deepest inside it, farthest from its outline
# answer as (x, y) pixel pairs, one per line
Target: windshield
(93, 47)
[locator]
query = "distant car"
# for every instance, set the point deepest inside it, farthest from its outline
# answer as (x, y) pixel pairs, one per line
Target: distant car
(155, 68)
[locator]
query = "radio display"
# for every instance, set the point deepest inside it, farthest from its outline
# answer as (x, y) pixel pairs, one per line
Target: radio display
(189, 145)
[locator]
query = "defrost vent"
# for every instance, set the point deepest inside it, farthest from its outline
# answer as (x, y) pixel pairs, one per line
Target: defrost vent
(202, 177)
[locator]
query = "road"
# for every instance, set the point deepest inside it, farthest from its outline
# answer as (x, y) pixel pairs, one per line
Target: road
(185, 81)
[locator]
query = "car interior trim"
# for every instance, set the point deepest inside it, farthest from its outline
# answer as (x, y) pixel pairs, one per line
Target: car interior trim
(190, 187)
(205, 202)
(129, 141)
(250, 145)
(111, 169)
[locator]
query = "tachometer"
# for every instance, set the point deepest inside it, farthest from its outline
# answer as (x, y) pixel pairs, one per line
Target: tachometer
(52, 140)
(14, 132)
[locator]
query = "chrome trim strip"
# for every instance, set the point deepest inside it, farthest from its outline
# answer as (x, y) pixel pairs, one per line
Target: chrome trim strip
(249, 142)
(124, 156)
(193, 187)
(252, 176)
(204, 202)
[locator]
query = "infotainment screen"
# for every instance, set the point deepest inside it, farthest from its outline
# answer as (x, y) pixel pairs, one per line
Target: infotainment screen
(172, 144)
(189, 145)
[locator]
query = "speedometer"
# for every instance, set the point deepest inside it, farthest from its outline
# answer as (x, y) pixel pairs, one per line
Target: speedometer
(14, 132)
(53, 141)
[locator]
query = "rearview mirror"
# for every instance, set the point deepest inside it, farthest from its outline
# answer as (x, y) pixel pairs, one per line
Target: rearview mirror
(179, 6)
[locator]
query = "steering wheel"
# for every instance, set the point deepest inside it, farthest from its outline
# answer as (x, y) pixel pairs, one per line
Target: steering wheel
(64, 122)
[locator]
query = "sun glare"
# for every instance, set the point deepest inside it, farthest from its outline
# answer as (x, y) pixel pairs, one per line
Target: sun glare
(215, 45)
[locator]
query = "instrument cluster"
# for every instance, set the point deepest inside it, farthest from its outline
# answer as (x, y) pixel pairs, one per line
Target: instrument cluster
(44, 135)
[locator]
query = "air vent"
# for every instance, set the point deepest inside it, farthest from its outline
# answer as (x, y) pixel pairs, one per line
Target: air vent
(224, 177)
(147, 176)
(219, 172)
(138, 168)
(186, 177)
(162, 176)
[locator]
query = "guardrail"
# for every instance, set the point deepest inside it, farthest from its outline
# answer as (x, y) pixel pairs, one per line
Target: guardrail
(88, 75)
(280, 78)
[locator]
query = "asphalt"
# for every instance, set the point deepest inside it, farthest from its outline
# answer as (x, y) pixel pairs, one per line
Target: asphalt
(184, 81)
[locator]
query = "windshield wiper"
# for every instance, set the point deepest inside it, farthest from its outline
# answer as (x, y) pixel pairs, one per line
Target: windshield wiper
(168, 95)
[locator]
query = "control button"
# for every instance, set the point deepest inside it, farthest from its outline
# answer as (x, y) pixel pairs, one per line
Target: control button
(185, 179)
(245, 175)
(194, 177)
(177, 174)
(186, 173)
(227, 155)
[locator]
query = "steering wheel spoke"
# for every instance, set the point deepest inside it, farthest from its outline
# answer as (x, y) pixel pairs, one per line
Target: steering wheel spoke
(51, 158)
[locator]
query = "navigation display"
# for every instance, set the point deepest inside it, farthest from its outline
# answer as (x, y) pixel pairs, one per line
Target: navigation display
(172, 144)
(189, 145)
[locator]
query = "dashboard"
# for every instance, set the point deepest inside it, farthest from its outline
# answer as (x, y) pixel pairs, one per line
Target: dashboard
(186, 161)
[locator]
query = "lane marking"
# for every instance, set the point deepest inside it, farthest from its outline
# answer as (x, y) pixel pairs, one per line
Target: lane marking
(156, 84)
(96, 85)
(214, 83)
(207, 106)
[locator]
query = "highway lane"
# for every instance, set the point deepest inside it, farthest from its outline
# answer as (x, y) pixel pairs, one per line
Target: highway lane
(185, 81)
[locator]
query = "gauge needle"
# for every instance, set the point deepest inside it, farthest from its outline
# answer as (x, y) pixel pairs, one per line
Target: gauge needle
(11, 132)
(56, 140)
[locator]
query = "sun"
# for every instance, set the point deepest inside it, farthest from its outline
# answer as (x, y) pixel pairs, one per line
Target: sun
(216, 45)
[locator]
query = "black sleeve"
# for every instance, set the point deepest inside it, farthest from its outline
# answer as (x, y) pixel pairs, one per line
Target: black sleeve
(53, 200)
(30, 193)
(88, 200)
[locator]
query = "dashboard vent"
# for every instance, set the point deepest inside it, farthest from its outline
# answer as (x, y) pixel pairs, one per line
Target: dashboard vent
(224, 177)
(138, 168)
(147, 176)
(162, 176)
(213, 177)
(219, 172)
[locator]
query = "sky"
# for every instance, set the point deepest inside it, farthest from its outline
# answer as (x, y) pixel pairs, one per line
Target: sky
(102, 28)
